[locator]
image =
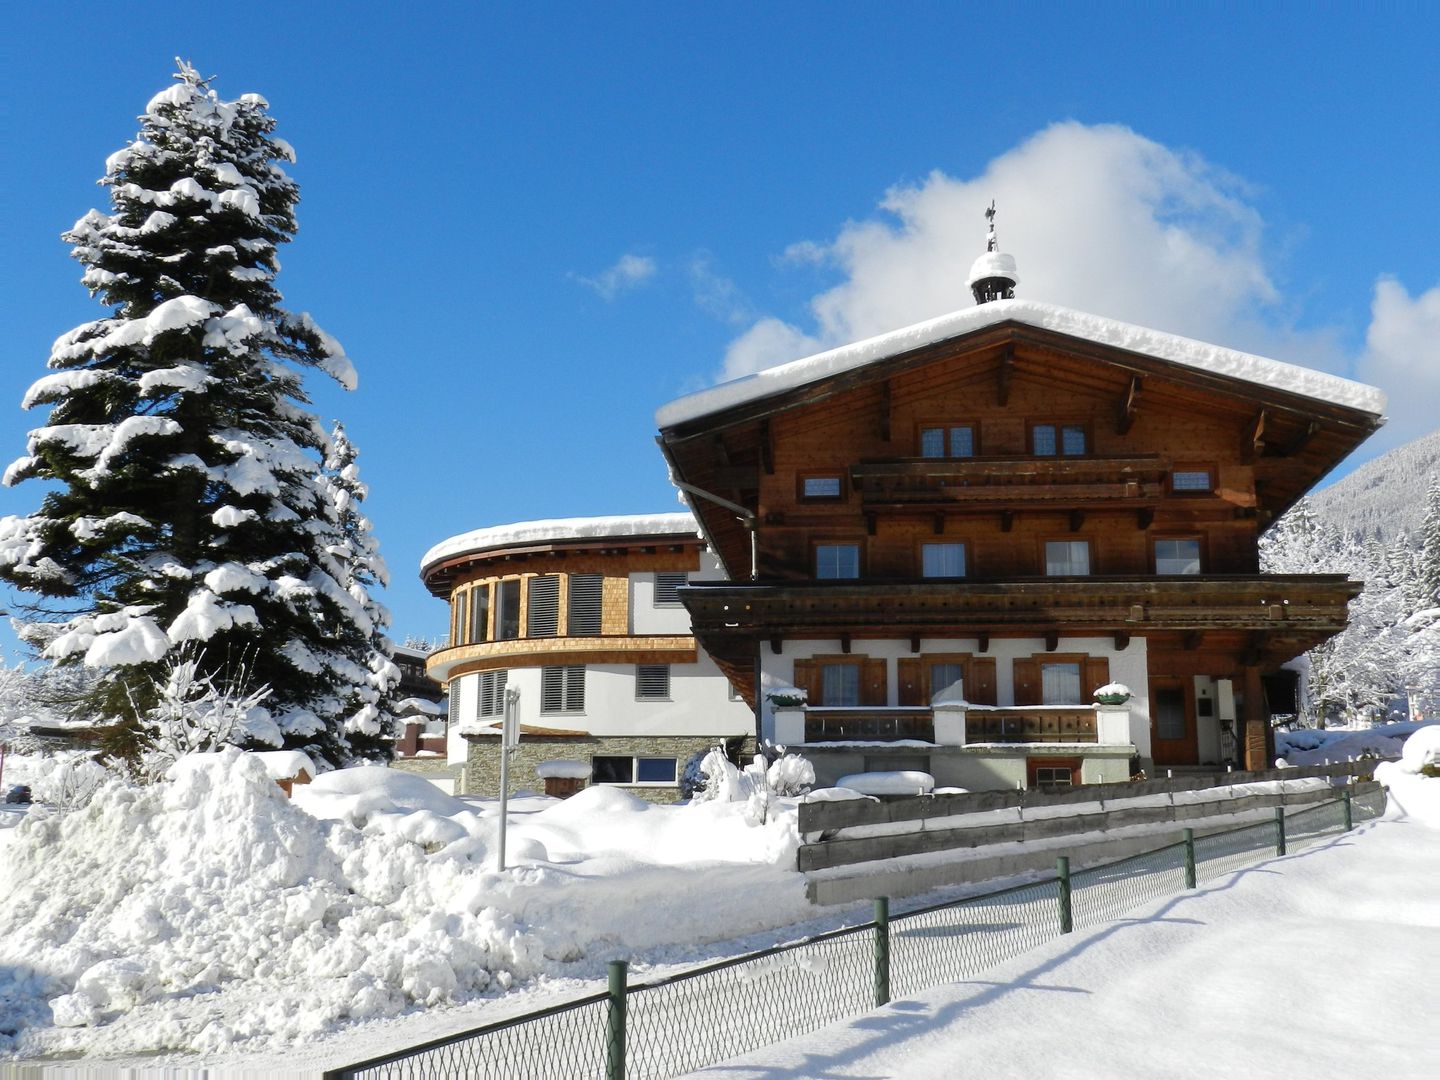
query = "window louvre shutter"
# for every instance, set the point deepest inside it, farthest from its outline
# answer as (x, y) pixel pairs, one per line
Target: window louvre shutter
(542, 612)
(666, 585)
(652, 681)
(490, 694)
(453, 712)
(1097, 674)
(562, 689)
(1027, 681)
(872, 683)
(911, 689)
(586, 591)
(980, 687)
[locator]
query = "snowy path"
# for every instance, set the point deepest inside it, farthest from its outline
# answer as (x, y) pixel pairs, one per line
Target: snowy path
(1321, 963)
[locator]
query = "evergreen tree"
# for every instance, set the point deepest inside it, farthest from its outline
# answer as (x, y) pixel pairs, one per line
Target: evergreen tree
(1429, 563)
(185, 503)
(369, 709)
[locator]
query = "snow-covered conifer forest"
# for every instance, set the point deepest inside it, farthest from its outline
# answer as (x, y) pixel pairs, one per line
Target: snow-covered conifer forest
(1380, 525)
(191, 502)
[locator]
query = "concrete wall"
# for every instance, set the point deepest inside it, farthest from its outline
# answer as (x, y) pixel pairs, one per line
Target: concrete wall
(987, 768)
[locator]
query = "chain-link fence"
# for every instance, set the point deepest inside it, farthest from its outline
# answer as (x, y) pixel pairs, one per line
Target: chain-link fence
(684, 1022)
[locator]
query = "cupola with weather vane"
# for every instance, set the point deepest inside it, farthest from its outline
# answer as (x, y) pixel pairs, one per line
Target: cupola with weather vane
(993, 275)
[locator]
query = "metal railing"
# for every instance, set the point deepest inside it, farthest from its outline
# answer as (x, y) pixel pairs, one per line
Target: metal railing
(679, 1023)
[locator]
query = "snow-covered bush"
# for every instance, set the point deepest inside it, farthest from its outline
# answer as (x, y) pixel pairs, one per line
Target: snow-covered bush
(197, 713)
(71, 782)
(771, 773)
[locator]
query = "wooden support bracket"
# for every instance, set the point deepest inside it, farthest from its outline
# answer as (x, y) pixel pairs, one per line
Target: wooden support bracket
(1052, 640)
(1302, 440)
(1007, 520)
(914, 643)
(1253, 444)
(982, 641)
(845, 642)
(1144, 518)
(937, 523)
(1129, 407)
(1077, 519)
(1122, 640)
(775, 645)
(884, 425)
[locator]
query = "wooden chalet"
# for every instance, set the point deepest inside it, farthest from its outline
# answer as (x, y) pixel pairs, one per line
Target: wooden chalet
(1015, 504)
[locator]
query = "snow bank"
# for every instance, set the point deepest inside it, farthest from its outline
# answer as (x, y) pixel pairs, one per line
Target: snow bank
(532, 532)
(563, 769)
(1323, 746)
(905, 782)
(1409, 792)
(150, 900)
(1179, 350)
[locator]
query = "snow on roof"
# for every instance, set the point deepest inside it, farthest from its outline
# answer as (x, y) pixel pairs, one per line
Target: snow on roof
(286, 764)
(580, 528)
(1179, 350)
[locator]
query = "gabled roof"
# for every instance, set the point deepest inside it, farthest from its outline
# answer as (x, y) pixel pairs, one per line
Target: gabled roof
(1186, 352)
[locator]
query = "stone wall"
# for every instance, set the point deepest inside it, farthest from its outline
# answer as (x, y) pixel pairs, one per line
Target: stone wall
(433, 768)
(482, 767)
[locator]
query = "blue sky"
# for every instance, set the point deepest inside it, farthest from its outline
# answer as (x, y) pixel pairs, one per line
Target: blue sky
(531, 226)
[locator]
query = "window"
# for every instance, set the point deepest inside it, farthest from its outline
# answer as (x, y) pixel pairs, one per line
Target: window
(652, 682)
(1060, 684)
(1067, 558)
(1054, 775)
(452, 702)
(942, 560)
(615, 769)
(562, 689)
(491, 696)
(836, 561)
(953, 440)
(840, 684)
(667, 586)
(1177, 556)
(1191, 480)
(457, 619)
(585, 605)
(821, 487)
(1047, 440)
(480, 613)
(542, 613)
(945, 675)
(507, 618)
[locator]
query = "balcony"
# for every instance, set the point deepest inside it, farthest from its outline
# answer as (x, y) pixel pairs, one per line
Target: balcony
(1010, 483)
(956, 725)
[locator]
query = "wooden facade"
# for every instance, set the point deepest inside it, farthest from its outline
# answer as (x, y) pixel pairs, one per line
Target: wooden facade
(1015, 484)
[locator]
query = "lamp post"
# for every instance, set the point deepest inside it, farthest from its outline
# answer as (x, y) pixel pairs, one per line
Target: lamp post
(509, 738)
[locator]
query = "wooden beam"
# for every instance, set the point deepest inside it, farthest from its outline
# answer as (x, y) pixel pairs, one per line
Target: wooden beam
(870, 524)
(914, 643)
(1254, 721)
(1253, 442)
(1077, 519)
(884, 426)
(1007, 520)
(845, 642)
(982, 641)
(1145, 518)
(775, 645)
(767, 448)
(1004, 375)
(721, 450)
(1122, 639)
(1302, 440)
(1190, 640)
(1052, 640)
(937, 524)
(1128, 407)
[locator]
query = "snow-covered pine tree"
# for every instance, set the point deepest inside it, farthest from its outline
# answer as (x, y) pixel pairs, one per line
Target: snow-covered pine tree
(185, 503)
(1429, 562)
(369, 712)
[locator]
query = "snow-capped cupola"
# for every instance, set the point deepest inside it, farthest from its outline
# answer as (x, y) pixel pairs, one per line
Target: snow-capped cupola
(993, 275)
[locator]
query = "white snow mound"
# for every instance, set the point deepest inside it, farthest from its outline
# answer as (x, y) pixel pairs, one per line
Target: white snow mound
(212, 881)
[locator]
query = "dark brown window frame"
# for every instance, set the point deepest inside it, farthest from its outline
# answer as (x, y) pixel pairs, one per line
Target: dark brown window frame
(1089, 542)
(1200, 538)
(921, 426)
(825, 474)
(1192, 467)
(1059, 425)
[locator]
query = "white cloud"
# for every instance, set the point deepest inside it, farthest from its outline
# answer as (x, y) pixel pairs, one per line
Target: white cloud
(717, 294)
(1402, 356)
(1099, 219)
(628, 272)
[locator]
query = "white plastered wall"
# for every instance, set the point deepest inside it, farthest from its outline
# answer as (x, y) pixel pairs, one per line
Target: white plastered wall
(646, 618)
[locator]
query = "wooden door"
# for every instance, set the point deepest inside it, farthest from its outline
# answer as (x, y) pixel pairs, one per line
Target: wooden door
(1172, 722)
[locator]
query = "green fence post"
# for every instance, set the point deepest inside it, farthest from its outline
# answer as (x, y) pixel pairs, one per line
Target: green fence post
(615, 1043)
(1189, 858)
(1279, 830)
(1062, 870)
(882, 951)
(1349, 810)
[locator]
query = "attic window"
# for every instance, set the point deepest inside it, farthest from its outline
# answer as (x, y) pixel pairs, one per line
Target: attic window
(951, 440)
(1066, 440)
(829, 487)
(1197, 480)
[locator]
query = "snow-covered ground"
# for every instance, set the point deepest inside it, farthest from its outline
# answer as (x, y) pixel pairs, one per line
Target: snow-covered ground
(208, 921)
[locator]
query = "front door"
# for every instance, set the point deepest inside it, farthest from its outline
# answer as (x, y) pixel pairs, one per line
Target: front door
(1172, 722)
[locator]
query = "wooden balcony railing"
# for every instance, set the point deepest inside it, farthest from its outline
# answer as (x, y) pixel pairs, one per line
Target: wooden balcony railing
(868, 725)
(1054, 725)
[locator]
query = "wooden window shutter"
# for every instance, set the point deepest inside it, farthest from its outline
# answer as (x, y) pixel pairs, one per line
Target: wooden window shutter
(911, 675)
(807, 678)
(1027, 681)
(1097, 674)
(872, 683)
(980, 687)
